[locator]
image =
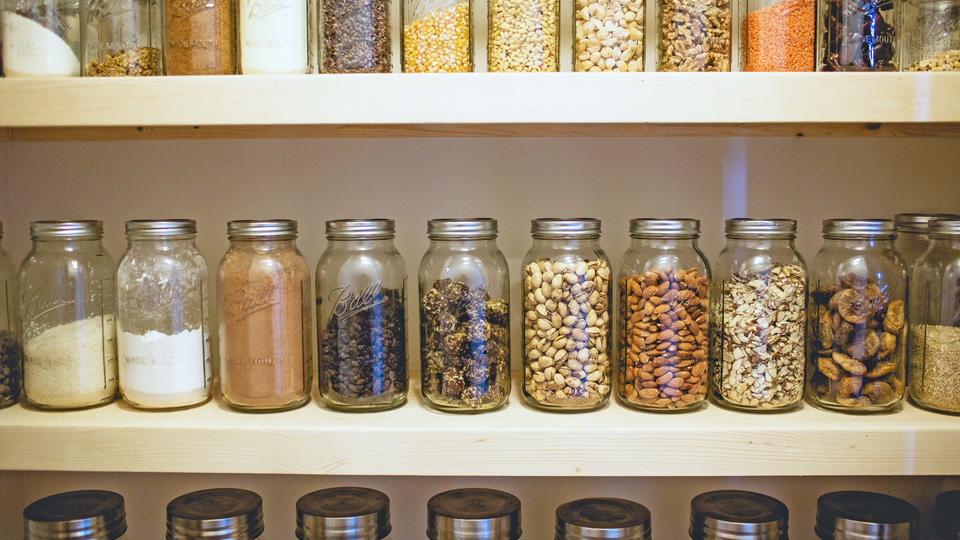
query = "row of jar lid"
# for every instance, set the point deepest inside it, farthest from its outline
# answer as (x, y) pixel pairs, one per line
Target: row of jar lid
(353, 513)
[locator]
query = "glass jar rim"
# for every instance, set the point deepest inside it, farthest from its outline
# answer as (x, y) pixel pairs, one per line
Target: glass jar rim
(918, 222)
(360, 229)
(772, 228)
(467, 228)
(664, 228)
(249, 229)
(146, 229)
(84, 229)
(845, 228)
(571, 228)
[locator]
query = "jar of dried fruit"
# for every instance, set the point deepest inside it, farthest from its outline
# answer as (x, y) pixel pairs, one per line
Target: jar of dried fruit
(857, 312)
(912, 240)
(437, 36)
(694, 35)
(123, 38)
(759, 314)
(361, 317)
(935, 320)
(858, 35)
(10, 347)
(566, 324)
(464, 317)
(931, 35)
(664, 284)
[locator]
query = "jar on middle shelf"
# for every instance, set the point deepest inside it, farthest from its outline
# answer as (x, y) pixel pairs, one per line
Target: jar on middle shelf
(523, 35)
(464, 317)
(362, 317)
(931, 35)
(123, 38)
(273, 37)
(343, 513)
(857, 314)
(566, 323)
(68, 309)
(163, 335)
(664, 284)
(777, 35)
(76, 515)
(264, 296)
(760, 317)
(935, 321)
(864, 515)
(355, 36)
(858, 35)
(215, 513)
(743, 515)
(11, 348)
(472, 514)
(694, 35)
(437, 36)
(608, 35)
(602, 518)
(912, 240)
(41, 38)
(199, 37)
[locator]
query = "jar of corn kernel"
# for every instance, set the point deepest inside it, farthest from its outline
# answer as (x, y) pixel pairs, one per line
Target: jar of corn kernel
(437, 36)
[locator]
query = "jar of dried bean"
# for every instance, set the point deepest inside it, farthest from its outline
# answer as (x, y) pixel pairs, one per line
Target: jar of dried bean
(912, 240)
(777, 35)
(523, 35)
(694, 35)
(664, 284)
(464, 317)
(361, 317)
(10, 346)
(566, 323)
(123, 38)
(931, 35)
(759, 314)
(858, 35)
(858, 289)
(934, 354)
(437, 36)
(608, 35)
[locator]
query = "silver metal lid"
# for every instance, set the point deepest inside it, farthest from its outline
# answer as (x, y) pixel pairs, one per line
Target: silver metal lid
(862, 515)
(944, 228)
(276, 229)
(603, 518)
(345, 513)
(737, 515)
(473, 514)
(664, 228)
(473, 228)
(361, 229)
(880, 229)
(549, 228)
(66, 230)
(145, 229)
(76, 515)
(776, 229)
(917, 222)
(215, 514)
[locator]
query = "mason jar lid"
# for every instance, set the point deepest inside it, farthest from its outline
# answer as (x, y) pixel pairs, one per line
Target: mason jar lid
(881, 229)
(946, 515)
(215, 514)
(66, 230)
(473, 514)
(761, 228)
(941, 228)
(345, 513)
(549, 228)
(737, 515)
(361, 229)
(141, 229)
(76, 515)
(664, 228)
(447, 228)
(917, 222)
(861, 515)
(276, 229)
(603, 518)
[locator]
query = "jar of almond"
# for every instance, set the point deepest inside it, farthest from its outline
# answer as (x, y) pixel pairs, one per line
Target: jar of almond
(664, 284)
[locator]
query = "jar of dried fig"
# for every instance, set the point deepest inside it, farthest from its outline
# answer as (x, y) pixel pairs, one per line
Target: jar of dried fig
(566, 323)
(857, 310)
(664, 284)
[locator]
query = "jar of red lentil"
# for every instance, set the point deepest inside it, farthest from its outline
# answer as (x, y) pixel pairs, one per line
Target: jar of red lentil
(777, 35)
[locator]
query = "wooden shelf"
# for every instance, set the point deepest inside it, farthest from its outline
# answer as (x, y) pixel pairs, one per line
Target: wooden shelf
(482, 104)
(515, 441)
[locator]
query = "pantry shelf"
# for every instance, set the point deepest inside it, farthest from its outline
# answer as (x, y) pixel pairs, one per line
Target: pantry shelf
(514, 441)
(482, 104)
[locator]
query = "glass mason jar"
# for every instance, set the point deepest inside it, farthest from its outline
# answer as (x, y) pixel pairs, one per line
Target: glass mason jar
(608, 35)
(11, 349)
(935, 321)
(664, 287)
(863, 515)
(472, 514)
(912, 240)
(199, 37)
(273, 37)
(744, 515)
(264, 292)
(931, 35)
(41, 38)
(437, 36)
(123, 38)
(760, 317)
(231, 513)
(694, 36)
(566, 323)
(355, 36)
(68, 309)
(464, 317)
(602, 518)
(362, 317)
(858, 290)
(777, 35)
(343, 513)
(77, 515)
(858, 35)
(162, 329)
(523, 35)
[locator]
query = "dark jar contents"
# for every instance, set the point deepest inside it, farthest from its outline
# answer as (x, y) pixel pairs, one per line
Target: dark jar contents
(858, 35)
(200, 37)
(11, 350)
(355, 36)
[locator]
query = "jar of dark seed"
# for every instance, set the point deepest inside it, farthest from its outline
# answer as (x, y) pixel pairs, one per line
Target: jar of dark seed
(10, 345)
(858, 35)
(566, 322)
(355, 36)
(464, 317)
(361, 298)
(857, 313)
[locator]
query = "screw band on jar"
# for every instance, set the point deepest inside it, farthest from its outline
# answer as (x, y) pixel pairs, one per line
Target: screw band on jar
(344, 513)
(84, 515)
(863, 515)
(602, 518)
(473, 514)
(736, 514)
(218, 513)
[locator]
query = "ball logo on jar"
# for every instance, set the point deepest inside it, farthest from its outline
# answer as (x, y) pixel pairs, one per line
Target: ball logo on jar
(261, 9)
(245, 302)
(347, 303)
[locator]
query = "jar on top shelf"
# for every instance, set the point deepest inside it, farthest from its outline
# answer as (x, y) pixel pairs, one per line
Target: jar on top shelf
(437, 36)
(355, 36)
(523, 35)
(777, 35)
(858, 35)
(273, 37)
(200, 37)
(912, 240)
(11, 348)
(608, 35)
(123, 38)
(931, 35)
(694, 35)
(41, 38)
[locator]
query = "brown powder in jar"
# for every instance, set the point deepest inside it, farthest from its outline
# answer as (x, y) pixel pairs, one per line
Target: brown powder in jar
(779, 37)
(199, 37)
